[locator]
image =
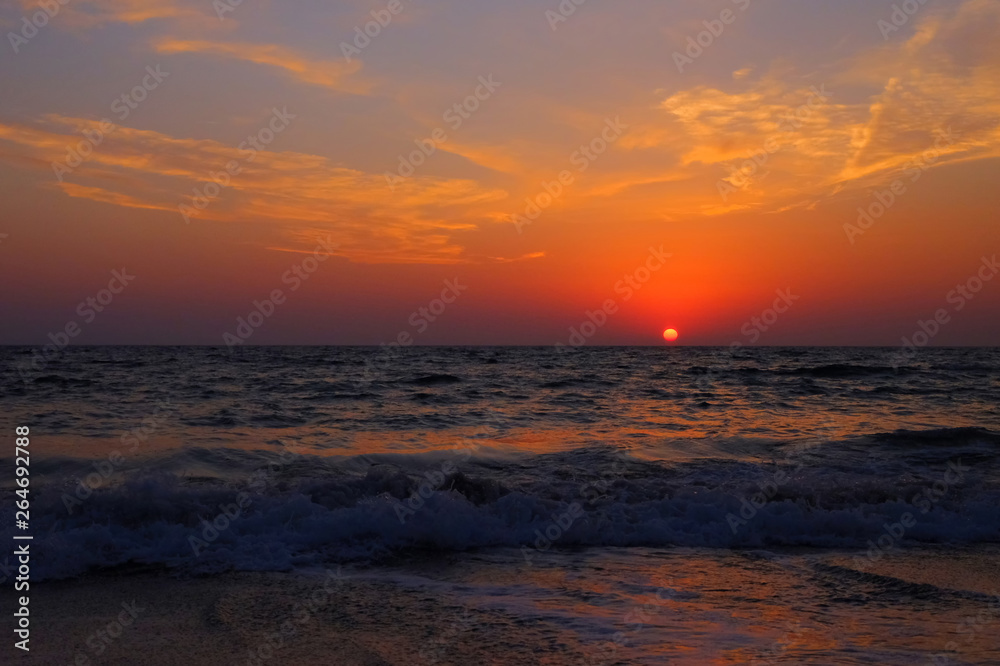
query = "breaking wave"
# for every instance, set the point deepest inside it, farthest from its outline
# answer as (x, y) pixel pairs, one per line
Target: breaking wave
(268, 512)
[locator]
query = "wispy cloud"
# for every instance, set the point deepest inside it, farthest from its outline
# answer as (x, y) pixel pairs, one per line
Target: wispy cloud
(291, 191)
(338, 75)
(934, 81)
(87, 14)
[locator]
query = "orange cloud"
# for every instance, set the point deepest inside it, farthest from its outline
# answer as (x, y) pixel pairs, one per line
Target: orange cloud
(87, 14)
(105, 196)
(328, 74)
(935, 81)
(291, 191)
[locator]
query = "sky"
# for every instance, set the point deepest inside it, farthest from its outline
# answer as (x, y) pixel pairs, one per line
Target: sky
(530, 172)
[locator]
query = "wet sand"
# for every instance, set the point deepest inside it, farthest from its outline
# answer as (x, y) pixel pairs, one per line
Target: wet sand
(972, 570)
(155, 619)
(486, 608)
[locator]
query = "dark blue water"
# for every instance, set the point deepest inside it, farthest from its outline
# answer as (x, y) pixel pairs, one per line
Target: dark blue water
(318, 455)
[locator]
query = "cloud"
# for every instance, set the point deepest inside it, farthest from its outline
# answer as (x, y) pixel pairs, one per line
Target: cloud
(886, 106)
(524, 257)
(88, 14)
(945, 76)
(290, 191)
(496, 158)
(105, 196)
(329, 74)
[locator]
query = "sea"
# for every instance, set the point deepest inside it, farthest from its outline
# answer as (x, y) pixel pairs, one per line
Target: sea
(598, 505)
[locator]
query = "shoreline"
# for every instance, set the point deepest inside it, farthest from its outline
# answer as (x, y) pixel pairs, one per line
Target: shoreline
(409, 613)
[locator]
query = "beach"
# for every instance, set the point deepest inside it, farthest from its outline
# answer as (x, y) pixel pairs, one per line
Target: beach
(746, 608)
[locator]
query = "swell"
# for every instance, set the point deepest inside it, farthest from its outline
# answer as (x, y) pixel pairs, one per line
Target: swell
(270, 512)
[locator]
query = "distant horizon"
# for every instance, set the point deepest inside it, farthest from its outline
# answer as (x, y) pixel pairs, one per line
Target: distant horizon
(524, 346)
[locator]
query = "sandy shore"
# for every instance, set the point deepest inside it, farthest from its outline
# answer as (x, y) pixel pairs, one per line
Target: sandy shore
(238, 619)
(733, 607)
(156, 620)
(975, 570)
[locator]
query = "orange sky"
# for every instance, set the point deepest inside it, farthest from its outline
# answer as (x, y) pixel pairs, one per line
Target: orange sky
(835, 101)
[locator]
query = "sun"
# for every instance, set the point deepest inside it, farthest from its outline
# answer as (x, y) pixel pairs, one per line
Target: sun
(670, 335)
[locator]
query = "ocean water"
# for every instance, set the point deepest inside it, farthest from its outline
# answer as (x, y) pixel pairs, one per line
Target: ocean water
(632, 505)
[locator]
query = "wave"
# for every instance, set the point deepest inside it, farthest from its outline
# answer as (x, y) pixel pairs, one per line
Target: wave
(946, 437)
(277, 513)
(436, 380)
(834, 370)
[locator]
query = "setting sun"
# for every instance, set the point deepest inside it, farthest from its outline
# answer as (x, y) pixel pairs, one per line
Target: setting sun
(670, 335)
